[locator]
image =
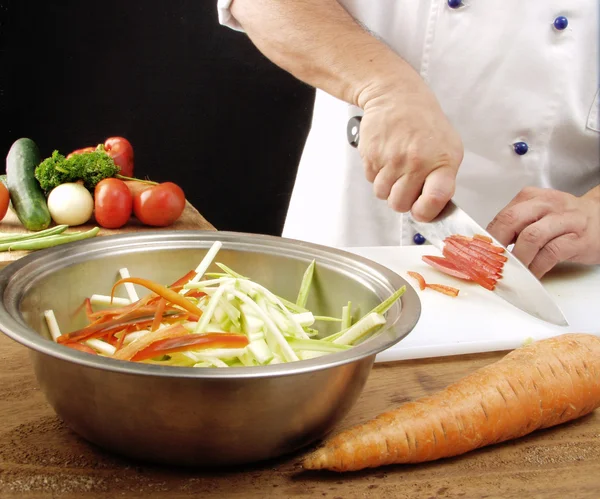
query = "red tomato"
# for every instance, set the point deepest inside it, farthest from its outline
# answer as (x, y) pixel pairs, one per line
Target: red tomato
(160, 205)
(4, 200)
(81, 151)
(112, 203)
(121, 151)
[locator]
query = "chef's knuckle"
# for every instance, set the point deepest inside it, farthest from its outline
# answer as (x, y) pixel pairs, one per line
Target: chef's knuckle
(553, 252)
(508, 218)
(528, 192)
(531, 235)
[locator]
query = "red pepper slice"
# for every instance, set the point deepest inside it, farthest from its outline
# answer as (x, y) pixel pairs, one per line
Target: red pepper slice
(489, 255)
(445, 265)
(482, 260)
(160, 310)
(168, 294)
(447, 290)
(192, 341)
(483, 238)
(489, 247)
(81, 347)
(98, 329)
(127, 352)
(184, 279)
(474, 259)
(483, 280)
(420, 279)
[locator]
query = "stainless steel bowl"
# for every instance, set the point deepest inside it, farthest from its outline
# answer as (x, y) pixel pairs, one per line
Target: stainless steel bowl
(197, 416)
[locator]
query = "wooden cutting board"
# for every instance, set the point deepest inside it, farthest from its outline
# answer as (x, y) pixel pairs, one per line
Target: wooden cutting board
(190, 219)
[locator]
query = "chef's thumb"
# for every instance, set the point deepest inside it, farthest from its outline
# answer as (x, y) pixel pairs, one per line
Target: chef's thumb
(438, 189)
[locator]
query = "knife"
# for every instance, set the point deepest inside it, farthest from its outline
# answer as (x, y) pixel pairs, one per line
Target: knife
(518, 285)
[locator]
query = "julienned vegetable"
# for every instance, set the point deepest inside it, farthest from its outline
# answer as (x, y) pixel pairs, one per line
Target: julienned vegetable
(90, 168)
(441, 288)
(537, 386)
(471, 258)
(70, 204)
(213, 320)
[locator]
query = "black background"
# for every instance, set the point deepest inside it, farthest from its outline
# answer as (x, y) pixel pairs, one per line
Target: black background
(201, 106)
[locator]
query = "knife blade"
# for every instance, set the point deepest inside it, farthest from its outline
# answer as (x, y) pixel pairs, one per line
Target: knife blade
(518, 286)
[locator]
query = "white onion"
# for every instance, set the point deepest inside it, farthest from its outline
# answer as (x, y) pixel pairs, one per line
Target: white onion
(70, 204)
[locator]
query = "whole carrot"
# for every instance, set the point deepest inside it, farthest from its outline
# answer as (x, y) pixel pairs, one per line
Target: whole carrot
(537, 386)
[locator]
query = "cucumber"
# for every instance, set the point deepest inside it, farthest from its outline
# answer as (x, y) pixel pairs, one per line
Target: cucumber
(26, 194)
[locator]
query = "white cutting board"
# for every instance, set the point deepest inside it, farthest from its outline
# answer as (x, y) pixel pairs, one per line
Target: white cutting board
(477, 320)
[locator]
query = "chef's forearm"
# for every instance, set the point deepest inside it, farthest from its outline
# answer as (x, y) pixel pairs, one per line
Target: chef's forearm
(321, 44)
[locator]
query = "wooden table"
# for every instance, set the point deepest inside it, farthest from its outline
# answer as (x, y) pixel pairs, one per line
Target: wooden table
(41, 457)
(190, 219)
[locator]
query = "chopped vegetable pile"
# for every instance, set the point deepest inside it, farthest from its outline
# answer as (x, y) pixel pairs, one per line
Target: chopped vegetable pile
(212, 320)
(471, 258)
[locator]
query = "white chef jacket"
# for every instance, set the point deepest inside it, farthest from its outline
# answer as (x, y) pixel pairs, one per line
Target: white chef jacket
(503, 74)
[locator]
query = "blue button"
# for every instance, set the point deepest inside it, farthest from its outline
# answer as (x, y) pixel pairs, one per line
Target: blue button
(561, 22)
(418, 239)
(521, 148)
(454, 4)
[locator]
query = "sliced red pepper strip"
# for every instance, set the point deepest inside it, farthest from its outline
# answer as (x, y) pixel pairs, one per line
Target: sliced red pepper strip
(160, 310)
(195, 293)
(99, 329)
(192, 341)
(467, 263)
(483, 280)
(184, 279)
(481, 237)
(111, 331)
(81, 347)
(489, 255)
(488, 247)
(482, 260)
(89, 311)
(128, 351)
(445, 265)
(420, 279)
(447, 290)
(121, 310)
(474, 259)
(168, 294)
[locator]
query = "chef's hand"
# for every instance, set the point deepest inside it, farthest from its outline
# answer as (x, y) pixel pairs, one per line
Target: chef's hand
(410, 151)
(549, 227)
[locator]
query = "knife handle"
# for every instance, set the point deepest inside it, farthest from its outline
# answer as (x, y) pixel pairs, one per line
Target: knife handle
(353, 130)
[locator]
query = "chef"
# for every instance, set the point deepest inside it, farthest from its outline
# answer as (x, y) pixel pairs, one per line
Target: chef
(493, 103)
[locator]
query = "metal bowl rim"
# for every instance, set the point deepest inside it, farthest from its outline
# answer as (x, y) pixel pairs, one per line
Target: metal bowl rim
(18, 331)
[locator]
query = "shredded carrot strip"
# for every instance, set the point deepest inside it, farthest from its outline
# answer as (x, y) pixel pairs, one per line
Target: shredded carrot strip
(167, 293)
